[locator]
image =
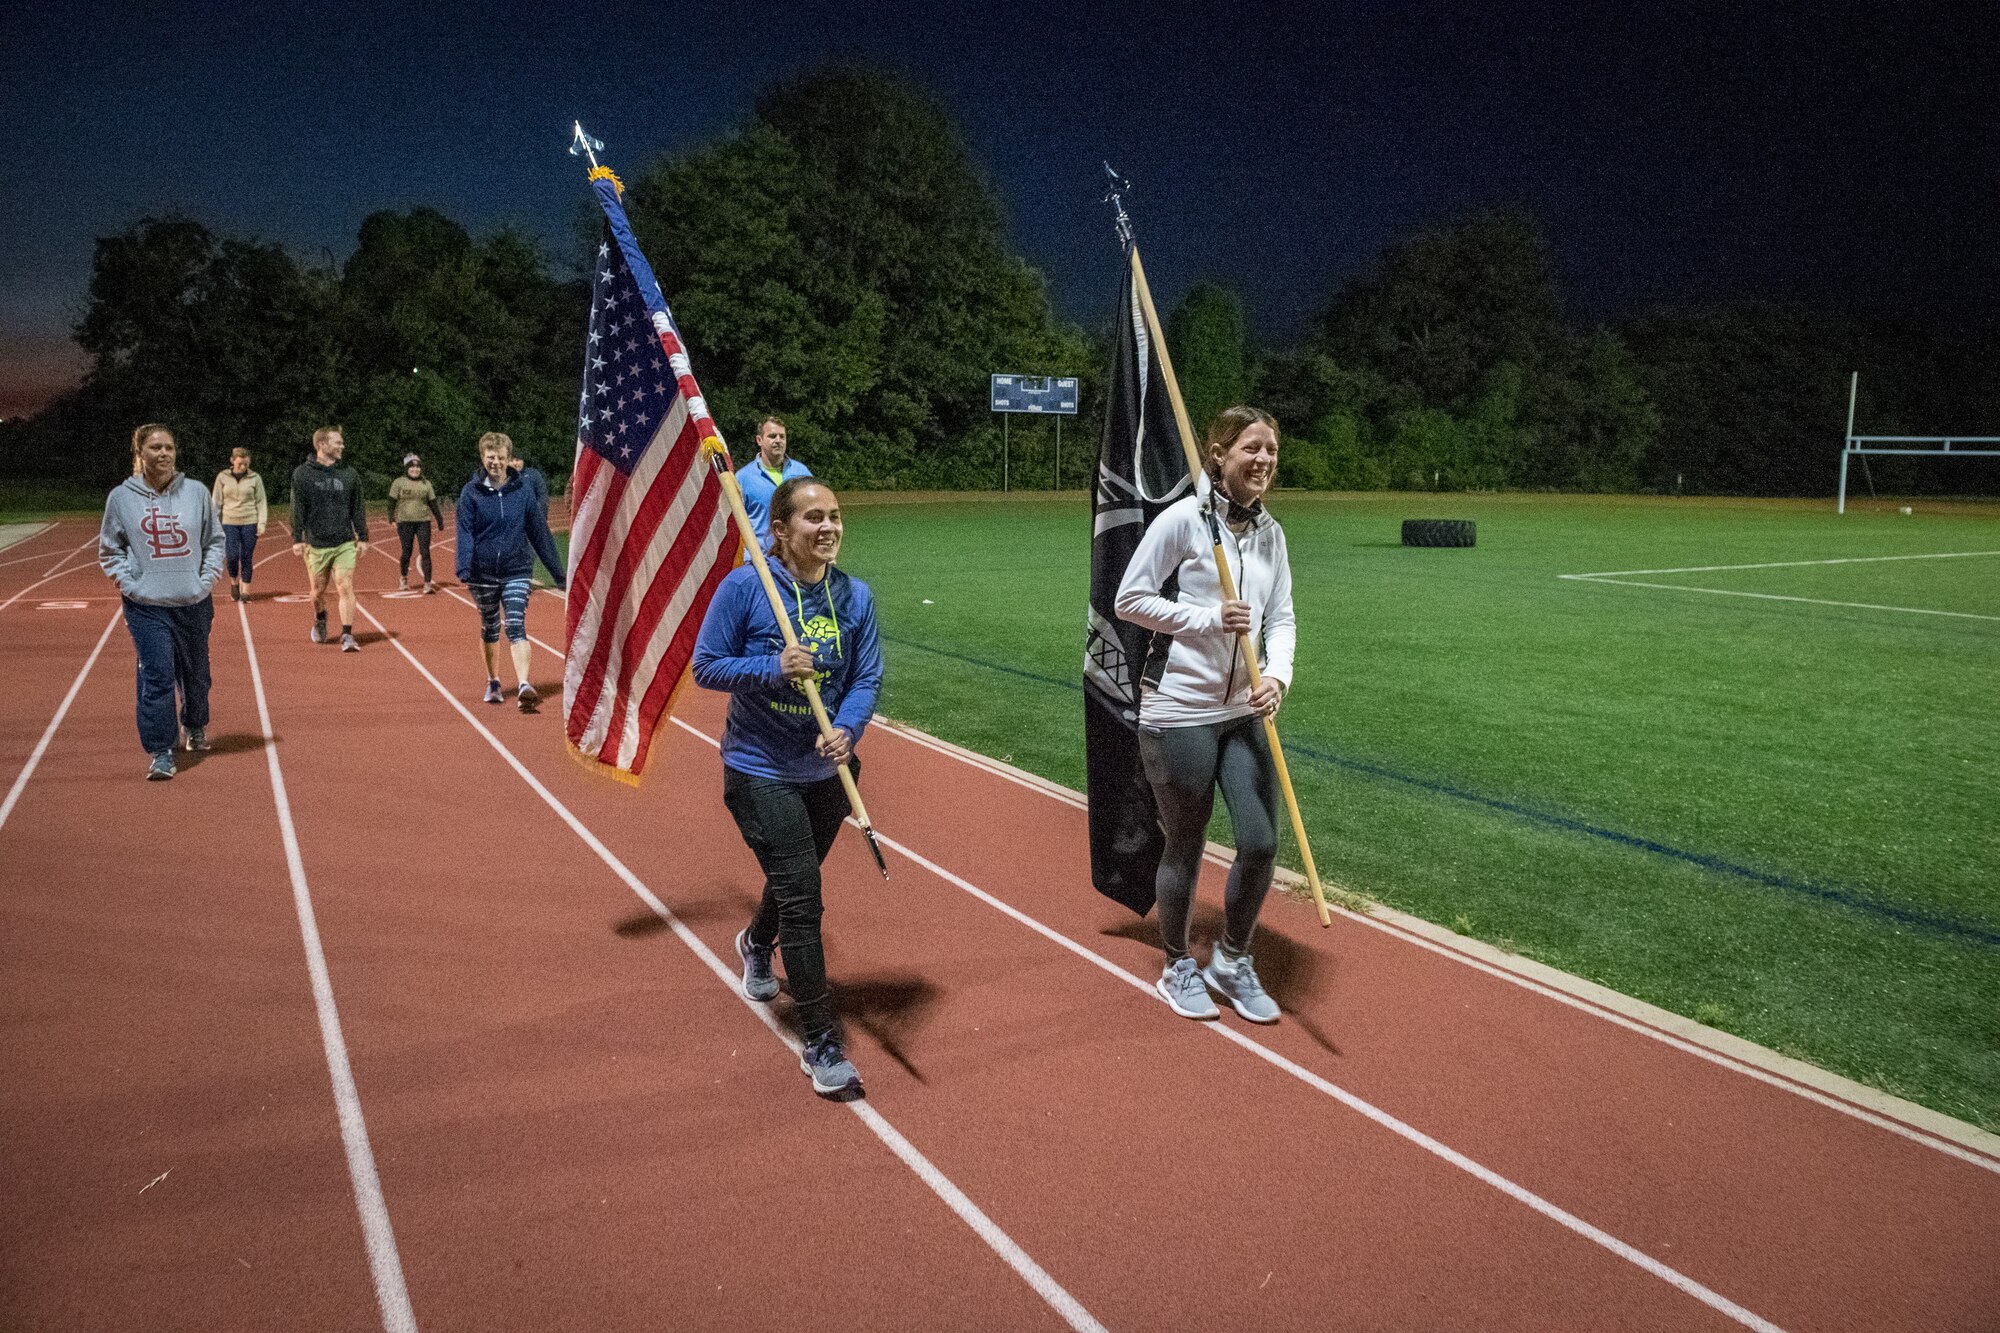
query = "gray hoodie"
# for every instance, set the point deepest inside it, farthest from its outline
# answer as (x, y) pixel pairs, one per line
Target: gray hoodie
(162, 548)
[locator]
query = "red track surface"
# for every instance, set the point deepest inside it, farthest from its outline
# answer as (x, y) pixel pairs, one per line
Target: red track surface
(577, 1125)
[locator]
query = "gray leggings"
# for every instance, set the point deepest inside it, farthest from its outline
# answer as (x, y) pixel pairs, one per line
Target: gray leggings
(1185, 766)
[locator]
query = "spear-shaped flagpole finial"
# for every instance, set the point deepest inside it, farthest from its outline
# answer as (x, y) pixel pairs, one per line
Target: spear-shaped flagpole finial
(582, 145)
(1115, 197)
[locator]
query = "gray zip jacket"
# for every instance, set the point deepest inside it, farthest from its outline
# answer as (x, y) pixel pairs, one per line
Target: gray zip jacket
(162, 548)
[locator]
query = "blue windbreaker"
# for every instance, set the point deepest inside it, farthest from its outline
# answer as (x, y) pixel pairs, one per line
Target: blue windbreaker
(771, 730)
(500, 532)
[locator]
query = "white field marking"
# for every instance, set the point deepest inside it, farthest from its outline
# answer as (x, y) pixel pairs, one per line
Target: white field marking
(56, 571)
(1016, 1258)
(384, 1264)
(15, 537)
(1780, 564)
(1218, 855)
(1779, 597)
(1486, 1175)
(62, 710)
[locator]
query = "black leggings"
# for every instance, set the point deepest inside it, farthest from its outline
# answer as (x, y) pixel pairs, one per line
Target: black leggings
(1185, 766)
(791, 827)
(416, 534)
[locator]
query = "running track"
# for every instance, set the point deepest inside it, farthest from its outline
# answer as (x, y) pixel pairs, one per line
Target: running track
(513, 1091)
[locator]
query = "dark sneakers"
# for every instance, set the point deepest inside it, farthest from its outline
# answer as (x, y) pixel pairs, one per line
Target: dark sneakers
(493, 695)
(759, 982)
(161, 769)
(197, 740)
(831, 1071)
(319, 628)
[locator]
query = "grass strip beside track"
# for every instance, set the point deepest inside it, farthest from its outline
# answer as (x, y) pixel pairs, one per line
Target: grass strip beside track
(1609, 781)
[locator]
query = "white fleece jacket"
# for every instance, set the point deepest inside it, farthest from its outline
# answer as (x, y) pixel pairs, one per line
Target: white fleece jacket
(1195, 672)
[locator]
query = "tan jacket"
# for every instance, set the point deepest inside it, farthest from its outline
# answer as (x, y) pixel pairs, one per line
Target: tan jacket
(241, 499)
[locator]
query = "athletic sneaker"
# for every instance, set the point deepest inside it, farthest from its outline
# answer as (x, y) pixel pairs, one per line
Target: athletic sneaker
(197, 739)
(759, 983)
(493, 695)
(430, 589)
(527, 697)
(235, 592)
(403, 584)
(1181, 987)
(832, 1072)
(319, 628)
(162, 768)
(1233, 978)
(348, 644)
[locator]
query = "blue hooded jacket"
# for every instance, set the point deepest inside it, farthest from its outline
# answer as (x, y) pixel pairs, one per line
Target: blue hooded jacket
(771, 729)
(500, 532)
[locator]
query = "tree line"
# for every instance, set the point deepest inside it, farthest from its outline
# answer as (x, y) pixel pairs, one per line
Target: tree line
(842, 261)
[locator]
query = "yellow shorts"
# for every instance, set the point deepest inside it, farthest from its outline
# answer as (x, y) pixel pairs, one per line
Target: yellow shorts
(319, 559)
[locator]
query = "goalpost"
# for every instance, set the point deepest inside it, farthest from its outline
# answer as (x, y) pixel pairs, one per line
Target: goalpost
(1864, 445)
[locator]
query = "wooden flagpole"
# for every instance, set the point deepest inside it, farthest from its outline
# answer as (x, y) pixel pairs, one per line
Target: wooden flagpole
(1247, 648)
(733, 492)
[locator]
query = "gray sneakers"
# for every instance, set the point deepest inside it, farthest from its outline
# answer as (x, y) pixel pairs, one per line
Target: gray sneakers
(831, 1071)
(161, 769)
(758, 981)
(1181, 987)
(1233, 978)
(348, 644)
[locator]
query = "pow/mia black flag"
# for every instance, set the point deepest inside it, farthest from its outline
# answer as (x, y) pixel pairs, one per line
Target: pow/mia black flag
(1141, 469)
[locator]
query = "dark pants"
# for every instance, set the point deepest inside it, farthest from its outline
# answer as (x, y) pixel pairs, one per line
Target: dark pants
(416, 534)
(791, 827)
(1185, 765)
(239, 544)
(173, 654)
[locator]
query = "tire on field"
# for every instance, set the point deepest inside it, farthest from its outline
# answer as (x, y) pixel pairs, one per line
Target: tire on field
(1437, 532)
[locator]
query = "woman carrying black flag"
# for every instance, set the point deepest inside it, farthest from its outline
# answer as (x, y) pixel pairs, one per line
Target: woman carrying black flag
(1200, 723)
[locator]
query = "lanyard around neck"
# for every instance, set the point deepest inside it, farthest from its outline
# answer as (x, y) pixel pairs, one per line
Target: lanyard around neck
(800, 601)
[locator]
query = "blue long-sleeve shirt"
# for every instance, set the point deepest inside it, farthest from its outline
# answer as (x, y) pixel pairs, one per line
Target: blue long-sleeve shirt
(500, 532)
(771, 730)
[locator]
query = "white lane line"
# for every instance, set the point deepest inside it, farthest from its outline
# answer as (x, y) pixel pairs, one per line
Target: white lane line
(1776, 597)
(56, 571)
(1519, 1193)
(1780, 564)
(384, 1264)
(25, 559)
(1830, 1100)
(1016, 1258)
(62, 710)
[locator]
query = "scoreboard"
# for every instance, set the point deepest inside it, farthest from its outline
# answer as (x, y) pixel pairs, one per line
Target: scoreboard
(1034, 393)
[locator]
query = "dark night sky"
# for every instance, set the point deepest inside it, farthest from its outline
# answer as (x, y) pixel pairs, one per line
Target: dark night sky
(1848, 155)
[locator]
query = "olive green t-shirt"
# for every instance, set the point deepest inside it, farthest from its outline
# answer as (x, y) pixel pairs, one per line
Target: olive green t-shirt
(415, 501)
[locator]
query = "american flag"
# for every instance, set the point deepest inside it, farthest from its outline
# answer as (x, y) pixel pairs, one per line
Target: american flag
(650, 536)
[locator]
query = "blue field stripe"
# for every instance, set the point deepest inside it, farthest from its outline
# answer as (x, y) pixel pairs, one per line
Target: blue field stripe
(1972, 931)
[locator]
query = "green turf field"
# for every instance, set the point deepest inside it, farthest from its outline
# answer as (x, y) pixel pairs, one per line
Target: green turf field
(1776, 817)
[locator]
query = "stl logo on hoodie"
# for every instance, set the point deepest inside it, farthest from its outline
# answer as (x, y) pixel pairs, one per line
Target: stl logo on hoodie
(164, 534)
